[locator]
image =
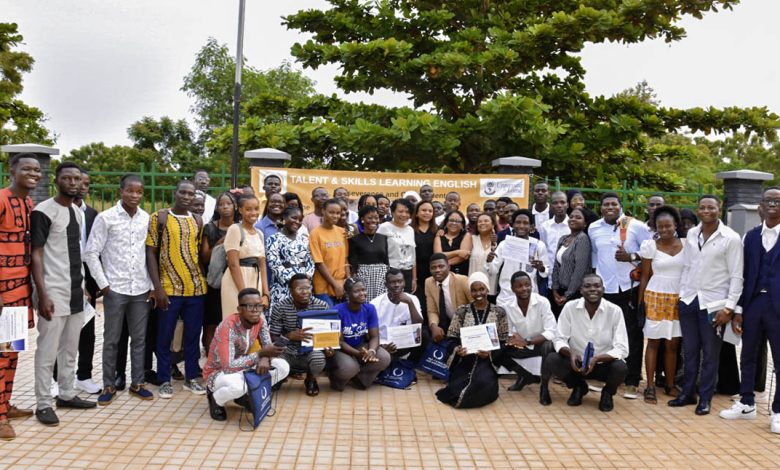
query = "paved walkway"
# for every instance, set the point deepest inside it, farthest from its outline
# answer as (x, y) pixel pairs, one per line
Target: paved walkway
(386, 428)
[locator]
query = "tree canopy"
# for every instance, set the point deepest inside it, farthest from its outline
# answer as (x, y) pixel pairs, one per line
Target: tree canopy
(487, 79)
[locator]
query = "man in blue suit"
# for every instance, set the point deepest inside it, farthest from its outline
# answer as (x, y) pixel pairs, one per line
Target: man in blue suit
(760, 304)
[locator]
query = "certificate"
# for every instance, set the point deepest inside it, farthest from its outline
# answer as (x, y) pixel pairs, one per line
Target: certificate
(405, 336)
(13, 329)
(479, 338)
(325, 333)
(516, 249)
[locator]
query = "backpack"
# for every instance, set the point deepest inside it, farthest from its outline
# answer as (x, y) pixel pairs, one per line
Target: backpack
(218, 263)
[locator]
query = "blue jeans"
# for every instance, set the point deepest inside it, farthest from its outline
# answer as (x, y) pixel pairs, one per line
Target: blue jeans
(699, 338)
(190, 309)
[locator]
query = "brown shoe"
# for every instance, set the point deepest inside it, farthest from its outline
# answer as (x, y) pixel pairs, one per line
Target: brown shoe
(7, 431)
(17, 413)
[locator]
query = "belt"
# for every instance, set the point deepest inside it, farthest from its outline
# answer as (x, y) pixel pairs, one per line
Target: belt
(248, 263)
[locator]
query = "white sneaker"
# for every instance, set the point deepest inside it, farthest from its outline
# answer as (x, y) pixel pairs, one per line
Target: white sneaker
(630, 392)
(774, 423)
(88, 386)
(739, 410)
(55, 389)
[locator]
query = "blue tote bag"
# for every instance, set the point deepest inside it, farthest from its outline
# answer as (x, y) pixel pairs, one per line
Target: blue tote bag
(434, 361)
(259, 393)
(400, 374)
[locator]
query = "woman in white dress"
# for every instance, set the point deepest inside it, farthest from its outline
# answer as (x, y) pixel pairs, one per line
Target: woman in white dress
(483, 242)
(662, 266)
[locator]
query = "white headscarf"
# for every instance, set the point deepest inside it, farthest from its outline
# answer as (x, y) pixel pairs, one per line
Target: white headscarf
(479, 276)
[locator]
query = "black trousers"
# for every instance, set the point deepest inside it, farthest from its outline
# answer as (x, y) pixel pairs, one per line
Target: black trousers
(508, 353)
(416, 353)
(612, 373)
(636, 338)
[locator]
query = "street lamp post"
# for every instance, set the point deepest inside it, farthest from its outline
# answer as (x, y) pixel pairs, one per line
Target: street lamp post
(237, 93)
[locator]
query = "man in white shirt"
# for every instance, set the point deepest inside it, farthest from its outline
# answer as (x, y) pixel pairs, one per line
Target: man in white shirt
(201, 179)
(555, 228)
(595, 320)
(710, 288)
(540, 208)
(451, 203)
(116, 255)
(615, 241)
(397, 308)
(532, 329)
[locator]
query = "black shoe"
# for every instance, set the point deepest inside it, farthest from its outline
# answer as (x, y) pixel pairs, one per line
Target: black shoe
(703, 408)
(275, 387)
(120, 383)
(76, 403)
(150, 377)
(522, 381)
(243, 402)
(605, 404)
(176, 373)
(544, 396)
(575, 399)
(217, 412)
(681, 400)
(47, 417)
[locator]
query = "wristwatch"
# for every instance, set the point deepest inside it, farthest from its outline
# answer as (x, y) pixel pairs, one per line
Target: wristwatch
(634, 257)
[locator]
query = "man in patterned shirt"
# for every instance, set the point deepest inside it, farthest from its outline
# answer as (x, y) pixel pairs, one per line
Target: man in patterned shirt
(172, 247)
(229, 354)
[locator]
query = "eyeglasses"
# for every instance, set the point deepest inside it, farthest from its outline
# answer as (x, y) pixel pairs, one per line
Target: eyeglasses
(771, 202)
(252, 306)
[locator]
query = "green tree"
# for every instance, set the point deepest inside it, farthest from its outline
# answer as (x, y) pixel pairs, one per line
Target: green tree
(19, 122)
(174, 142)
(488, 79)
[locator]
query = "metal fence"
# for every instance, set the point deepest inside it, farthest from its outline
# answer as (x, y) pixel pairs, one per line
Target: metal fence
(159, 188)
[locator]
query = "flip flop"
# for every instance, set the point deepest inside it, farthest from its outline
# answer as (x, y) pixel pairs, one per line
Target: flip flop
(312, 388)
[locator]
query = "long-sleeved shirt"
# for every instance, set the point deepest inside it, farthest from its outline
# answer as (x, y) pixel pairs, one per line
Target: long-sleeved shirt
(713, 269)
(538, 320)
(507, 267)
(229, 351)
(550, 232)
(116, 251)
(604, 240)
(606, 330)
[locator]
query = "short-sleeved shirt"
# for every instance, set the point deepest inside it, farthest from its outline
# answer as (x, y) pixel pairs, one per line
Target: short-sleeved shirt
(390, 314)
(15, 250)
(180, 272)
(328, 246)
(355, 325)
(57, 229)
(400, 245)
(253, 246)
(284, 319)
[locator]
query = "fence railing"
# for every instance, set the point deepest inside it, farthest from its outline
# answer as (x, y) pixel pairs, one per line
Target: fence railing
(160, 186)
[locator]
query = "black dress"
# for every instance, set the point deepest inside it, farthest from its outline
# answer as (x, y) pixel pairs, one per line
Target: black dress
(212, 313)
(424, 250)
(368, 254)
(447, 246)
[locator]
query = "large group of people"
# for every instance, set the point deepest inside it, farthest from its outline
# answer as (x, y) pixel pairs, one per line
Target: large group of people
(232, 275)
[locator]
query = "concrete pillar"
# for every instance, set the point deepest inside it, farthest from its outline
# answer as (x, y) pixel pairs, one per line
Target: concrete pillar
(43, 155)
(267, 157)
(742, 193)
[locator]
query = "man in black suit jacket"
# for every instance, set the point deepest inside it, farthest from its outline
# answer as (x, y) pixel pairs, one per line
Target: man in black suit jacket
(760, 304)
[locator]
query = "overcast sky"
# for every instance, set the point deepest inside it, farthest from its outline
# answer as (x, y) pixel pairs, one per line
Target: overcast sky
(103, 64)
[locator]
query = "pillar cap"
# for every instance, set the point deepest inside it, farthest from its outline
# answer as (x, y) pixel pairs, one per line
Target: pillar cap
(517, 161)
(751, 175)
(267, 154)
(30, 148)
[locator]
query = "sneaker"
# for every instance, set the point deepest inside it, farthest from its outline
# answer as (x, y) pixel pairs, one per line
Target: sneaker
(739, 410)
(165, 391)
(630, 392)
(194, 386)
(55, 389)
(774, 423)
(141, 392)
(47, 417)
(108, 395)
(88, 386)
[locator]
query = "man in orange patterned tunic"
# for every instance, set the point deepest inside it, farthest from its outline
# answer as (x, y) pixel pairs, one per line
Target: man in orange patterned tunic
(15, 285)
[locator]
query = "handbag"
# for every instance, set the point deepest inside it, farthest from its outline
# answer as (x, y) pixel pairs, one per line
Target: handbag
(400, 374)
(218, 263)
(434, 361)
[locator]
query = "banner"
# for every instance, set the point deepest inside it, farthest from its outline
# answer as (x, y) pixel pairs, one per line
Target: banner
(472, 188)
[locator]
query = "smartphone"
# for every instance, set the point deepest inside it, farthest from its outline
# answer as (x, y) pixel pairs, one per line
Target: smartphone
(281, 342)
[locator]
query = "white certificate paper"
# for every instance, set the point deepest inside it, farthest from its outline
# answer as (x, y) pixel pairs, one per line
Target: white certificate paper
(13, 329)
(516, 249)
(405, 336)
(329, 330)
(479, 338)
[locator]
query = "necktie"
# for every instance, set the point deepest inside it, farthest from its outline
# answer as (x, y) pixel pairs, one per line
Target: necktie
(444, 319)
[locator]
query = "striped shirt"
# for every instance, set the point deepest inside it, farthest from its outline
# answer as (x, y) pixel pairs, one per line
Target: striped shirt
(284, 319)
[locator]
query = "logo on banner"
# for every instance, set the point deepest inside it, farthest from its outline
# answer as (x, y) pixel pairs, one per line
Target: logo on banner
(495, 187)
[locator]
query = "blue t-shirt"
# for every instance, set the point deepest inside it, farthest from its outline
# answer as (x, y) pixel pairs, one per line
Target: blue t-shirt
(355, 325)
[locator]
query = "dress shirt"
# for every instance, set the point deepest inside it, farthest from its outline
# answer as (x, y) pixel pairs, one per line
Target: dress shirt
(768, 236)
(538, 320)
(713, 270)
(83, 238)
(606, 330)
(445, 285)
(209, 206)
(507, 266)
(605, 239)
(550, 232)
(540, 217)
(116, 251)
(390, 314)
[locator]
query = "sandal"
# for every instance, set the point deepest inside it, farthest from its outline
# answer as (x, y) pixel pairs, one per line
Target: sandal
(312, 387)
(650, 396)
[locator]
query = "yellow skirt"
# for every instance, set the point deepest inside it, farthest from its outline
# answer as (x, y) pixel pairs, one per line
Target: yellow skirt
(660, 306)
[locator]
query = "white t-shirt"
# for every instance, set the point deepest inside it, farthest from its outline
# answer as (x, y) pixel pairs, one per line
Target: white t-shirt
(390, 314)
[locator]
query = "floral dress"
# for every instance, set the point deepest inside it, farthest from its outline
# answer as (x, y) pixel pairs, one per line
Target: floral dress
(286, 257)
